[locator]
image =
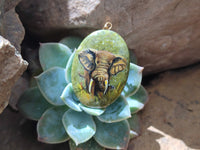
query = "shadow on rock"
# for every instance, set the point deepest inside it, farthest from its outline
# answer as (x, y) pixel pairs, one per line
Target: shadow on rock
(172, 112)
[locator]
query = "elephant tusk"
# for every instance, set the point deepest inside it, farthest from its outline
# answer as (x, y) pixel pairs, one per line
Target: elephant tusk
(90, 85)
(106, 87)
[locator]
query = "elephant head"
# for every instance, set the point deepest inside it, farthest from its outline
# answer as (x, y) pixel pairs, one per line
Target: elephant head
(99, 67)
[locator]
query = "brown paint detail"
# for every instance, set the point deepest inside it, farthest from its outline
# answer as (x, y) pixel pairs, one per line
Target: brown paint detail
(118, 66)
(99, 67)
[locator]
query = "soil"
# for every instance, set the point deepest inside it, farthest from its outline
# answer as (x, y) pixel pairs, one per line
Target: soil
(171, 119)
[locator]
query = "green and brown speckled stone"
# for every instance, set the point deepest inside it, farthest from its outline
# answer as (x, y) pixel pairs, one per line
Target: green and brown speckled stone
(100, 68)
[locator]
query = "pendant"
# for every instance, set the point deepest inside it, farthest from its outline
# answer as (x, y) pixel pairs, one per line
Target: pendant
(100, 68)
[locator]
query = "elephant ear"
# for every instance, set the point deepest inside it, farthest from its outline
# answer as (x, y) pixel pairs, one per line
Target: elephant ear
(87, 59)
(118, 65)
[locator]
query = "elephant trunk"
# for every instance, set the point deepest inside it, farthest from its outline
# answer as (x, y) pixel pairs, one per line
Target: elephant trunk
(101, 81)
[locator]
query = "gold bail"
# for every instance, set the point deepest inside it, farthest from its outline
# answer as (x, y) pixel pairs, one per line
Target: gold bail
(107, 26)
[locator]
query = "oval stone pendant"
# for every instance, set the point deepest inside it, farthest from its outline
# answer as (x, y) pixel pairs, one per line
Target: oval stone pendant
(100, 68)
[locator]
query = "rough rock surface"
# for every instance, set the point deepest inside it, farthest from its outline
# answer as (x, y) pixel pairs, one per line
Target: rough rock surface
(170, 120)
(9, 4)
(164, 34)
(13, 29)
(11, 64)
(11, 68)
(18, 89)
(10, 26)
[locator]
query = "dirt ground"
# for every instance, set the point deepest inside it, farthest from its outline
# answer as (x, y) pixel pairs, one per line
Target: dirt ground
(170, 121)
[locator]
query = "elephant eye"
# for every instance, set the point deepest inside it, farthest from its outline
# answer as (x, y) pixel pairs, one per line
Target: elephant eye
(97, 61)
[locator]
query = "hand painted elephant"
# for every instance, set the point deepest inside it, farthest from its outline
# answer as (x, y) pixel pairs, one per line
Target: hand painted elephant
(99, 67)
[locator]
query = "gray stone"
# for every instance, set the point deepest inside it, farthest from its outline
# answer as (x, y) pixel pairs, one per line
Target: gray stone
(18, 89)
(11, 63)
(13, 29)
(170, 120)
(10, 25)
(9, 4)
(11, 68)
(163, 34)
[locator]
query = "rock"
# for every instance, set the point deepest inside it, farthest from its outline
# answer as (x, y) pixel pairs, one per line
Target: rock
(10, 26)
(11, 68)
(170, 121)
(12, 65)
(13, 29)
(163, 34)
(9, 4)
(18, 89)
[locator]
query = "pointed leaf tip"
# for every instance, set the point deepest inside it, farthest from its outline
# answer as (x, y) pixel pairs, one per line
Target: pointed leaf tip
(89, 145)
(116, 112)
(134, 123)
(50, 128)
(141, 69)
(79, 126)
(51, 84)
(69, 98)
(92, 111)
(138, 100)
(72, 42)
(112, 136)
(53, 54)
(134, 80)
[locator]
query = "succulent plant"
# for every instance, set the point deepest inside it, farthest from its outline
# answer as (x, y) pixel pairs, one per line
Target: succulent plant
(61, 101)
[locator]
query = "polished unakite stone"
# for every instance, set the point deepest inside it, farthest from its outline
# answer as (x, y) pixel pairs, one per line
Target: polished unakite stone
(100, 68)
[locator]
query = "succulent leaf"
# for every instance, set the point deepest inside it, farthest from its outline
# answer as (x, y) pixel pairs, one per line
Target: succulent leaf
(117, 111)
(69, 98)
(72, 42)
(69, 68)
(89, 145)
(92, 111)
(32, 104)
(51, 84)
(53, 54)
(79, 126)
(134, 124)
(134, 80)
(50, 128)
(113, 136)
(138, 100)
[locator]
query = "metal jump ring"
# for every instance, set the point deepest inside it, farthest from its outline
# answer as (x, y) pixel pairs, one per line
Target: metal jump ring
(108, 26)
